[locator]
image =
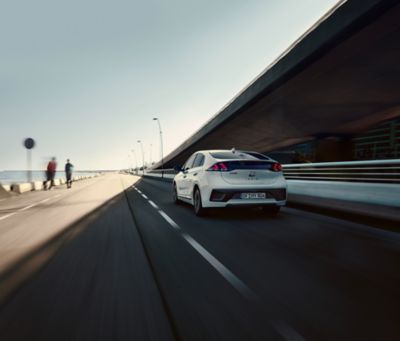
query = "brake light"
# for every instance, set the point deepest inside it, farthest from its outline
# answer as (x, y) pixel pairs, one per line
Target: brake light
(276, 167)
(218, 167)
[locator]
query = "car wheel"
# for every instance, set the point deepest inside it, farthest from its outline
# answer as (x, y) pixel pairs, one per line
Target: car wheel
(175, 195)
(271, 210)
(199, 210)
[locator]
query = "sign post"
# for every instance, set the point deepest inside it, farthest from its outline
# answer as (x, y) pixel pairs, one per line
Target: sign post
(29, 143)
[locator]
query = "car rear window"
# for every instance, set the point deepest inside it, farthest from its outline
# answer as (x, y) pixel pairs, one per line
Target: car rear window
(259, 156)
(236, 155)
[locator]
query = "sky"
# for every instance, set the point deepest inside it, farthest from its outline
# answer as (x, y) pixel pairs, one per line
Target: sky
(84, 78)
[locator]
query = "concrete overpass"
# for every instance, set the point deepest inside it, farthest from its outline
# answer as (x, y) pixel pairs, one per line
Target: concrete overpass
(339, 78)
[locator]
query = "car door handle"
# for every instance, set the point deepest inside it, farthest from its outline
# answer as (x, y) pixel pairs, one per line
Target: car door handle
(194, 174)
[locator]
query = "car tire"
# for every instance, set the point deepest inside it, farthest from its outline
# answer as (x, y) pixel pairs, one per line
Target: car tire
(175, 195)
(199, 210)
(271, 210)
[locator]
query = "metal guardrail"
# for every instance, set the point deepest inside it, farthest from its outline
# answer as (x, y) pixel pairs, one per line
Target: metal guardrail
(362, 182)
(374, 171)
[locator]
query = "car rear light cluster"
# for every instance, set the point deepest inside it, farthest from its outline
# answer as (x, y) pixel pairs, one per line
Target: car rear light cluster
(228, 166)
(218, 167)
(276, 167)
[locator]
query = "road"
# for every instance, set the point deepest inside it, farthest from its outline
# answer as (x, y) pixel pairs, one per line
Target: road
(141, 268)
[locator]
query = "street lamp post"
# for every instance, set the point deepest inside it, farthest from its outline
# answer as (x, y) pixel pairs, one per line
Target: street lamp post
(134, 155)
(151, 148)
(141, 147)
(161, 145)
(130, 165)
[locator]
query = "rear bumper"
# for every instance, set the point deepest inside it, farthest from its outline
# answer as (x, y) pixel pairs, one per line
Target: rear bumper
(225, 195)
(231, 197)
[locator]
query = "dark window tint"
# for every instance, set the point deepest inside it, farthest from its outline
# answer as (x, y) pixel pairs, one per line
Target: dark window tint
(198, 161)
(231, 156)
(259, 156)
(253, 165)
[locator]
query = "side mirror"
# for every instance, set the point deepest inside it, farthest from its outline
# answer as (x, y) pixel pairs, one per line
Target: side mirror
(177, 169)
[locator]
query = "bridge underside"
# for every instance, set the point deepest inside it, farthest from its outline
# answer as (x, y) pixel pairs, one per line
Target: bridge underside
(329, 84)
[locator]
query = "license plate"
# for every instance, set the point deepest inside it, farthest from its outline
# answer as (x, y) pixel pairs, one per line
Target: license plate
(252, 195)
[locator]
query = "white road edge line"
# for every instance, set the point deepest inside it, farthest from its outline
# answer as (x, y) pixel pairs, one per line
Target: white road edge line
(43, 200)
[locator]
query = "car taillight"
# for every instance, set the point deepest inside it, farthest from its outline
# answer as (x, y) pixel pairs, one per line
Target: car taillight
(218, 167)
(276, 167)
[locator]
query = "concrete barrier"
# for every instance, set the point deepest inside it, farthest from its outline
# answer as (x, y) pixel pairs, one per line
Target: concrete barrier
(4, 193)
(37, 185)
(22, 188)
(7, 188)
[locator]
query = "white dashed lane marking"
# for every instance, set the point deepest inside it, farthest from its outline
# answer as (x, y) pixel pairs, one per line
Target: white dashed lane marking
(286, 331)
(221, 268)
(169, 220)
(215, 263)
(153, 204)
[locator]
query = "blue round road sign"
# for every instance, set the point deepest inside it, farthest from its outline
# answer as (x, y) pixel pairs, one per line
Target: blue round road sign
(29, 143)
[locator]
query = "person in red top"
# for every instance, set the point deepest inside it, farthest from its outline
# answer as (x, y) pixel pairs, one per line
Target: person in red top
(50, 173)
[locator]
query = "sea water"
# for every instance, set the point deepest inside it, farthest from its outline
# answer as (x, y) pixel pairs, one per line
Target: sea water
(14, 177)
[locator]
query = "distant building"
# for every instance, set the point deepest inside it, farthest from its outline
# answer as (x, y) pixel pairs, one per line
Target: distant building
(378, 143)
(381, 142)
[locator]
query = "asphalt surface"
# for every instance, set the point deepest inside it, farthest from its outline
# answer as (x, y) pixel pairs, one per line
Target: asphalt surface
(141, 268)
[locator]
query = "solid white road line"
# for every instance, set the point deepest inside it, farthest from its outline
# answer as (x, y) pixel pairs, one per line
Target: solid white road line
(7, 215)
(27, 207)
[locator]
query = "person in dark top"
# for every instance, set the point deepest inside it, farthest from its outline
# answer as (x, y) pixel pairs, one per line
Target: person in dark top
(68, 173)
(50, 173)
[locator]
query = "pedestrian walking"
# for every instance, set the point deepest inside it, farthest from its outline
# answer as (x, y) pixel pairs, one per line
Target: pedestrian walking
(68, 173)
(50, 173)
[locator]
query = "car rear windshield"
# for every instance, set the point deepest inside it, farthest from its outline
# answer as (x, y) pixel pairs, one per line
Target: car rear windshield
(239, 155)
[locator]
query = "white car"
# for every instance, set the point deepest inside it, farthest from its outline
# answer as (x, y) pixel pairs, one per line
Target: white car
(223, 178)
